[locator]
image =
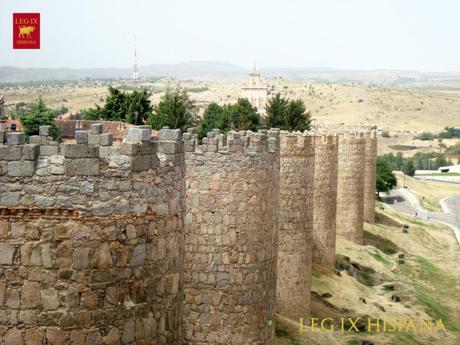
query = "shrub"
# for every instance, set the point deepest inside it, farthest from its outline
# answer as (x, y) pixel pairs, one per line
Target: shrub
(425, 136)
(38, 115)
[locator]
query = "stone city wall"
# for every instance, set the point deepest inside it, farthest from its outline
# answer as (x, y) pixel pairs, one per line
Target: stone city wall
(231, 238)
(370, 171)
(91, 239)
(119, 130)
(67, 128)
(296, 223)
(325, 199)
(350, 186)
(142, 243)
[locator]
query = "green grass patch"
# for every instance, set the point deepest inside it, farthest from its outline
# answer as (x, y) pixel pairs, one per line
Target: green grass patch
(380, 258)
(380, 242)
(434, 308)
(383, 219)
(403, 147)
(281, 333)
(418, 222)
(429, 272)
(317, 282)
(286, 337)
(433, 288)
(353, 342)
(365, 276)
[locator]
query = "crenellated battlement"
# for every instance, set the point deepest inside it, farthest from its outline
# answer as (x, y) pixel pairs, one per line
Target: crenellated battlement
(247, 142)
(326, 137)
(91, 174)
(91, 154)
(104, 224)
(352, 135)
(297, 143)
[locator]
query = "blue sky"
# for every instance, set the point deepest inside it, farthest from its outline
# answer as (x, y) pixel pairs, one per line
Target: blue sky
(350, 34)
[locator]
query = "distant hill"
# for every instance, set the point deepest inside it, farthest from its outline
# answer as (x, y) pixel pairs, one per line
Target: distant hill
(194, 69)
(217, 69)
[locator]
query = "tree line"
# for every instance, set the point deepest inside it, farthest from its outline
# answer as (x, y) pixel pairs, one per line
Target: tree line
(447, 133)
(419, 161)
(390, 162)
(176, 110)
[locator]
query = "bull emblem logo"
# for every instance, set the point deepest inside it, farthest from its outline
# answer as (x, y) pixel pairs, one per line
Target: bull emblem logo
(26, 31)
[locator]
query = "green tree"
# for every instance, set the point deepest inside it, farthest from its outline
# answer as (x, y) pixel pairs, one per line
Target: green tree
(175, 110)
(408, 167)
(386, 179)
(38, 115)
(242, 115)
(238, 116)
(60, 111)
(21, 109)
(276, 111)
(134, 107)
(139, 107)
(92, 114)
(287, 115)
(215, 116)
(297, 119)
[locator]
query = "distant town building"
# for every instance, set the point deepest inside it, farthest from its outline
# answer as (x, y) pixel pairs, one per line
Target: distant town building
(255, 91)
(450, 169)
(135, 65)
(2, 107)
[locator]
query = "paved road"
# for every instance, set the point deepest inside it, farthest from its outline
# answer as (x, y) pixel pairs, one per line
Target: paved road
(404, 201)
(446, 179)
(453, 207)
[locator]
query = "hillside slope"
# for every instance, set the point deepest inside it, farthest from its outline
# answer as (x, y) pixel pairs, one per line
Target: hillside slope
(368, 280)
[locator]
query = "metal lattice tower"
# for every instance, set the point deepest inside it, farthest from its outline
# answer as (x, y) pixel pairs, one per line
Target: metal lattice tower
(135, 65)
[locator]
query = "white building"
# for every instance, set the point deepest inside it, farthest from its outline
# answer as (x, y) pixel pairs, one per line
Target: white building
(256, 92)
(450, 169)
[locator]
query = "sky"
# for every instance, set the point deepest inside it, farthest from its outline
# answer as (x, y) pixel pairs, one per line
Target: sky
(421, 35)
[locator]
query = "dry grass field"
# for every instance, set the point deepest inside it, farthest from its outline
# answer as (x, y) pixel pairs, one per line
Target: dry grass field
(401, 112)
(425, 283)
(395, 110)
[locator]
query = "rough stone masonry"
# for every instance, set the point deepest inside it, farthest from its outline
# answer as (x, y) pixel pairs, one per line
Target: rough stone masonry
(296, 225)
(350, 186)
(91, 239)
(370, 173)
(142, 243)
(231, 238)
(325, 198)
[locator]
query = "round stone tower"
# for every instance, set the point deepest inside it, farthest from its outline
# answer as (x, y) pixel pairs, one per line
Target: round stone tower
(231, 238)
(370, 171)
(325, 199)
(91, 238)
(296, 222)
(350, 186)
